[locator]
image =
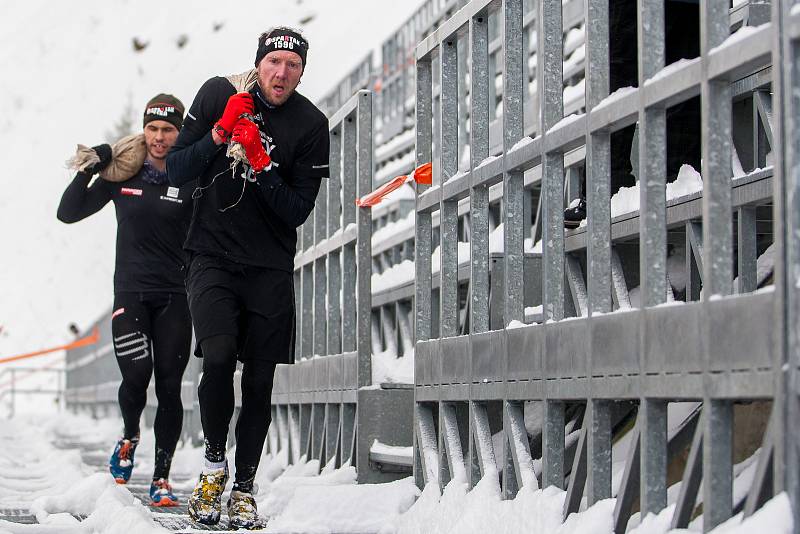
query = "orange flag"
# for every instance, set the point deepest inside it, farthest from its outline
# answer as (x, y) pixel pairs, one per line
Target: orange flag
(421, 175)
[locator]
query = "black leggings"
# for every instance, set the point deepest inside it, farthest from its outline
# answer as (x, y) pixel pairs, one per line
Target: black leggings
(152, 335)
(217, 403)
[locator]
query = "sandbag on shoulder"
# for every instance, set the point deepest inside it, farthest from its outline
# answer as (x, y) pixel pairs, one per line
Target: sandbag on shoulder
(127, 157)
(244, 81)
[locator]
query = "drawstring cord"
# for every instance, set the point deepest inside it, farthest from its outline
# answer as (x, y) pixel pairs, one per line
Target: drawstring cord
(236, 152)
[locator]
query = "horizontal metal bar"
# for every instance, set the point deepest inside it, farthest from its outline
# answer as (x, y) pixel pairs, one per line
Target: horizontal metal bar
(325, 247)
(458, 22)
(754, 189)
(347, 109)
(566, 135)
(748, 53)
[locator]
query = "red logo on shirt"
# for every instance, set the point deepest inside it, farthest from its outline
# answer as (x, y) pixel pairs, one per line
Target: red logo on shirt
(130, 191)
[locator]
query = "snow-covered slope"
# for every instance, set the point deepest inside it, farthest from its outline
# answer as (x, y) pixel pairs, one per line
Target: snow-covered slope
(69, 70)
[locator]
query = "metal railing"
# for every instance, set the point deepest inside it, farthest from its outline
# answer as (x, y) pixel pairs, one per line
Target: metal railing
(612, 370)
(323, 405)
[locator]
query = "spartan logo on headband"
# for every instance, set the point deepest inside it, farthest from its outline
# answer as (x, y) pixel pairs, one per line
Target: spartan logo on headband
(162, 111)
(286, 42)
(282, 38)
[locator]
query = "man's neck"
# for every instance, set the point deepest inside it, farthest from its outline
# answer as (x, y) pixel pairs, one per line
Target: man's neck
(159, 164)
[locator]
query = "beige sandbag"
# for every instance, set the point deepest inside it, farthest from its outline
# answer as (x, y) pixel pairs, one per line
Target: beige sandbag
(84, 158)
(244, 81)
(127, 157)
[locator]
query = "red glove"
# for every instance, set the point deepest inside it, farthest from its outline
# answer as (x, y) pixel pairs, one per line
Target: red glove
(246, 134)
(237, 105)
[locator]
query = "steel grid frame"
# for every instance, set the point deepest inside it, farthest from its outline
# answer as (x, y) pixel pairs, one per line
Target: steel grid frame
(602, 358)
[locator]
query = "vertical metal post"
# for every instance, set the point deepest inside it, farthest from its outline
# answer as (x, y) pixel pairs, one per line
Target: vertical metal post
(653, 248)
(549, 78)
(652, 155)
(334, 278)
(364, 242)
(717, 263)
(747, 253)
(298, 306)
(349, 194)
(553, 444)
(786, 104)
(307, 309)
(448, 220)
(479, 196)
(653, 415)
(599, 471)
(598, 162)
(320, 274)
(422, 245)
(513, 130)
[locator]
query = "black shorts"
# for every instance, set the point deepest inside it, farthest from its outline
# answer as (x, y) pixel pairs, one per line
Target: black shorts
(253, 304)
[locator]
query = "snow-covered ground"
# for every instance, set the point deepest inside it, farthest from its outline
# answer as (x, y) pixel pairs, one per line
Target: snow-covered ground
(38, 471)
(71, 74)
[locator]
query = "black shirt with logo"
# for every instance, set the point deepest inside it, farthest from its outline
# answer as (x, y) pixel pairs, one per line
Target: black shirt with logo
(251, 221)
(152, 222)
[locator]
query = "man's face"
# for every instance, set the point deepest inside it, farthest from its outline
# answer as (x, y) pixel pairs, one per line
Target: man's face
(159, 136)
(279, 72)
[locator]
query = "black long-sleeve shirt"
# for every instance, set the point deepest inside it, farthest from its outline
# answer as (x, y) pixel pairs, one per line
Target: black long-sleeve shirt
(252, 223)
(152, 222)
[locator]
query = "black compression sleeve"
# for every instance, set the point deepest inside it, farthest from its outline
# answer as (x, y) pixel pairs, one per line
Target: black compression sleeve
(80, 201)
(292, 203)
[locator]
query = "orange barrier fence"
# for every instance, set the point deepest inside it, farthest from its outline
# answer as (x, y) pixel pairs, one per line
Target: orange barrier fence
(91, 339)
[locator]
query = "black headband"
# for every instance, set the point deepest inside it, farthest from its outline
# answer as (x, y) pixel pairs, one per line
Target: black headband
(281, 39)
(164, 107)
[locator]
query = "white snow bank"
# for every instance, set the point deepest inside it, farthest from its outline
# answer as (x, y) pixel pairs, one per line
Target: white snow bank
(387, 367)
(396, 275)
(626, 200)
(110, 508)
(350, 508)
(282, 490)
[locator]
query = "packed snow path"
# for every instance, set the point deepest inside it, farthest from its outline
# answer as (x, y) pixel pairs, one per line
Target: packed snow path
(54, 480)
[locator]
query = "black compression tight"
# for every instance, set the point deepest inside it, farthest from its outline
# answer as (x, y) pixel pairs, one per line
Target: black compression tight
(152, 335)
(217, 403)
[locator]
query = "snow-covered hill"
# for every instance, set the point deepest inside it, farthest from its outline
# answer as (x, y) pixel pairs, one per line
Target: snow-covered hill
(70, 70)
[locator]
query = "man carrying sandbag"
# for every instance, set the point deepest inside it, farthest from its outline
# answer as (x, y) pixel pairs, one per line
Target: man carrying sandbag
(243, 240)
(150, 323)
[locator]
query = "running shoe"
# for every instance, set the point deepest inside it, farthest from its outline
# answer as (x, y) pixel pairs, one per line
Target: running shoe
(121, 462)
(205, 502)
(161, 493)
(242, 512)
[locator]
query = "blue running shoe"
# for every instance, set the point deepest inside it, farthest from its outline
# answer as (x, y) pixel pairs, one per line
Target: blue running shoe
(121, 462)
(161, 493)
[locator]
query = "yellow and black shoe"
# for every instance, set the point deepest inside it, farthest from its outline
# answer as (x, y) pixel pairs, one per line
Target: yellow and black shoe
(205, 502)
(242, 512)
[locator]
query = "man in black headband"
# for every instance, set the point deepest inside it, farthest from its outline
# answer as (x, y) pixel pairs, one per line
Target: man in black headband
(150, 323)
(243, 240)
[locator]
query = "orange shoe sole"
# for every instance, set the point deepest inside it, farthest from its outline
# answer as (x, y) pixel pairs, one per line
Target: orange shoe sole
(120, 481)
(165, 502)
